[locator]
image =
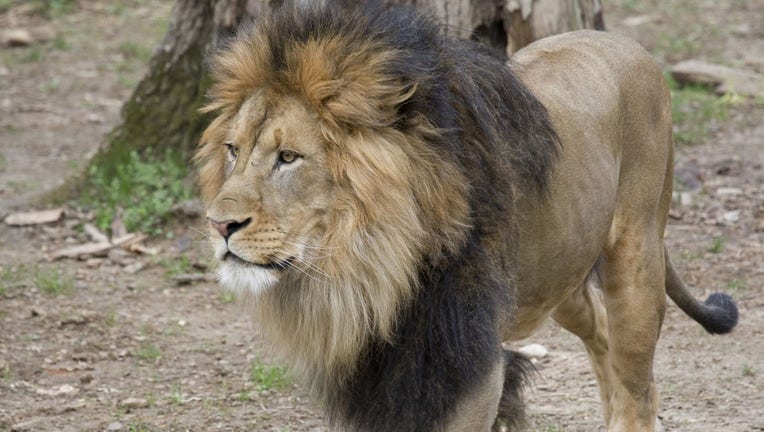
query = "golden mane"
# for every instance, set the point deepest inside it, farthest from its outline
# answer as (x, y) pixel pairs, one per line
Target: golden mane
(398, 199)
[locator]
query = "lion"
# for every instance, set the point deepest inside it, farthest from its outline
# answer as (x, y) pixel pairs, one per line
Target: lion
(395, 204)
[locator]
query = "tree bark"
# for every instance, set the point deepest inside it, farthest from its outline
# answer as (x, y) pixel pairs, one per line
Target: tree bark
(162, 114)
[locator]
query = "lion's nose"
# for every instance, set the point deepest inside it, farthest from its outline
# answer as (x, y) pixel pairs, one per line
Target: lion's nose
(228, 227)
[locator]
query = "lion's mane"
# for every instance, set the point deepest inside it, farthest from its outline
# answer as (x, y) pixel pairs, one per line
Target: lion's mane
(422, 132)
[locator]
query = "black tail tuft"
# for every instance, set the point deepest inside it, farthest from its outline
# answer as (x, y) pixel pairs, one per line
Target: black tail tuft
(724, 312)
(518, 371)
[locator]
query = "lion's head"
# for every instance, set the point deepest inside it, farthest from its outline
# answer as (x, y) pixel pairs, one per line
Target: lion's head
(324, 193)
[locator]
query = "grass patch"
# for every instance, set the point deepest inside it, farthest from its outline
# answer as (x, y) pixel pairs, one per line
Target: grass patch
(695, 110)
(7, 374)
(145, 191)
(748, 371)
(148, 352)
(138, 426)
(61, 44)
(266, 377)
(736, 285)
(33, 54)
(3, 162)
(174, 266)
(176, 396)
(717, 246)
(53, 282)
(10, 278)
(53, 8)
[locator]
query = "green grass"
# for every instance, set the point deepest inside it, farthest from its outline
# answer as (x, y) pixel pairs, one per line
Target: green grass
(51, 8)
(736, 285)
(33, 54)
(174, 266)
(148, 352)
(3, 162)
(7, 374)
(266, 377)
(138, 426)
(748, 371)
(61, 44)
(144, 190)
(177, 396)
(9, 278)
(695, 110)
(717, 246)
(53, 281)
(111, 320)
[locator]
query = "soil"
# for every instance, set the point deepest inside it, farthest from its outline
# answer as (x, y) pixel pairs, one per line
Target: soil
(115, 343)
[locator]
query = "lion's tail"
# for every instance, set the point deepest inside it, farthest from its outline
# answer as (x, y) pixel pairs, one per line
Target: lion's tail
(718, 314)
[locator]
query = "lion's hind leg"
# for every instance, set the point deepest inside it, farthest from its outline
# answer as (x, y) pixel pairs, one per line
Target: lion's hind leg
(633, 283)
(583, 314)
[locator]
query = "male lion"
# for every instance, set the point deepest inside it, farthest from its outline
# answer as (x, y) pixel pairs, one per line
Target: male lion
(396, 204)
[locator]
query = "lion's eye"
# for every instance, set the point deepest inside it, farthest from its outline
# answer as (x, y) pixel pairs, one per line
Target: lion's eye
(287, 156)
(233, 152)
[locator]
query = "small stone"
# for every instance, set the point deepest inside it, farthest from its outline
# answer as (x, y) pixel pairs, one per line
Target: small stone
(134, 403)
(134, 267)
(728, 191)
(94, 118)
(637, 20)
(722, 78)
(114, 426)
(732, 216)
(17, 38)
(536, 351)
(65, 389)
(182, 323)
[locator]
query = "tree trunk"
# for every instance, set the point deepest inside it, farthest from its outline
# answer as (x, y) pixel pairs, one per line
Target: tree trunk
(162, 114)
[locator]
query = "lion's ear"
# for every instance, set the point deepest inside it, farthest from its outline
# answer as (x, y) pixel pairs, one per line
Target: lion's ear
(349, 88)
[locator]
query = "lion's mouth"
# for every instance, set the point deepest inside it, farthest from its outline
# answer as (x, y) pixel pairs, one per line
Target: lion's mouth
(275, 265)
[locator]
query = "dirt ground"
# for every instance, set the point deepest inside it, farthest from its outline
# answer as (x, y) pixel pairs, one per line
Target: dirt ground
(116, 343)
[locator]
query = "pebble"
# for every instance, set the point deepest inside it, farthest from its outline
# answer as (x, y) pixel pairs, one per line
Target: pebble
(134, 403)
(18, 38)
(65, 389)
(728, 191)
(732, 216)
(536, 351)
(114, 426)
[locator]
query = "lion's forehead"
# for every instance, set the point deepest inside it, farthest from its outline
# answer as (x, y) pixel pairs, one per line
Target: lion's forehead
(271, 121)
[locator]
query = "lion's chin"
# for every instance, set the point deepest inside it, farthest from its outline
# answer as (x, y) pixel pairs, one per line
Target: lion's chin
(247, 279)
